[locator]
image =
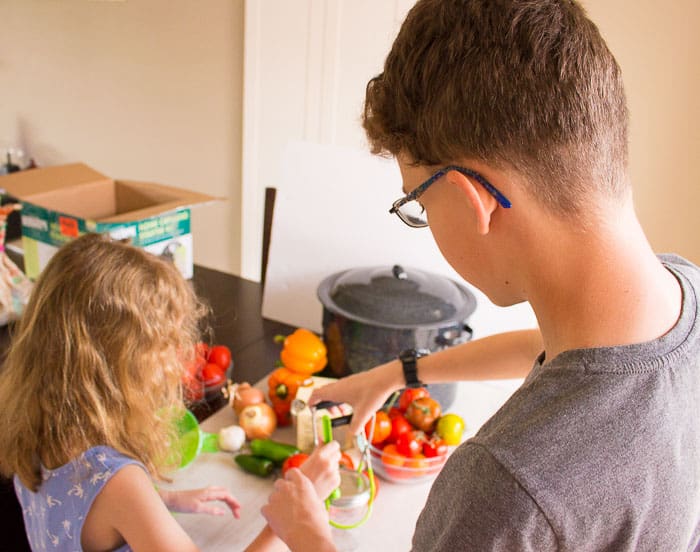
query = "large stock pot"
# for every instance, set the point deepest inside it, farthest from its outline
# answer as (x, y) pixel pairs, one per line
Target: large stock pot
(371, 314)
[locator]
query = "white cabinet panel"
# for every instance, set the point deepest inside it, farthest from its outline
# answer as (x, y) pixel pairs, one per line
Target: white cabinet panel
(307, 63)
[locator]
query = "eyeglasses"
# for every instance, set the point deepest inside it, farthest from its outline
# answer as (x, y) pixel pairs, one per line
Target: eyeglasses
(410, 210)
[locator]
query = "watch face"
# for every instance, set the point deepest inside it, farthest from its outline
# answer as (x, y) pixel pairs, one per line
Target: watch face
(408, 354)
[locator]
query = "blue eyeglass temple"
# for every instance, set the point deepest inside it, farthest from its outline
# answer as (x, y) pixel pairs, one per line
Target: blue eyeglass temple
(502, 200)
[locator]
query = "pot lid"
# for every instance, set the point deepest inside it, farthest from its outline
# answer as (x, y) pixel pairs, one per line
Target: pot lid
(396, 297)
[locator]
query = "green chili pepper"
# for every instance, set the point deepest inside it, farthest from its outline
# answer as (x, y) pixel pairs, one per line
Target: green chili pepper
(255, 464)
(272, 450)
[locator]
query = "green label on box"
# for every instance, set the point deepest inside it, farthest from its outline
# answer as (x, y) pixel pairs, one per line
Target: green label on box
(56, 228)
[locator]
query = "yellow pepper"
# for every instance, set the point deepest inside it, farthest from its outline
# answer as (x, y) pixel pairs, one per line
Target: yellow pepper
(303, 352)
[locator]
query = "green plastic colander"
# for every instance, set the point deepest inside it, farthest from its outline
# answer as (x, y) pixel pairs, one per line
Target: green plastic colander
(192, 440)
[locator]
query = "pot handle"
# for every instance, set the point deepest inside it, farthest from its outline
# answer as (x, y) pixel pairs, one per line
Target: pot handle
(450, 338)
(399, 273)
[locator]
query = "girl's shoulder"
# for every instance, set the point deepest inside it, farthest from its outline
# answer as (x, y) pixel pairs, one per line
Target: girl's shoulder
(88, 472)
(104, 457)
(57, 511)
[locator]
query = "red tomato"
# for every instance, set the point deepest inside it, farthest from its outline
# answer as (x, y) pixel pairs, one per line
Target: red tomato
(434, 447)
(394, 411)
(221, 355)
(419, 464)
(382, 427)
(423, 413)
(392, 461)
(193, 390)
(294, 461)
(194, 367)
(409, 395)
(392, 457)
(346, 461)
(213, 374)
(399, 426)
(409, 443)
(202, 350)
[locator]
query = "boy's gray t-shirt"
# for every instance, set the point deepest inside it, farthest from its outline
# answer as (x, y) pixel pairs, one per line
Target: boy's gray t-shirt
(599, 450)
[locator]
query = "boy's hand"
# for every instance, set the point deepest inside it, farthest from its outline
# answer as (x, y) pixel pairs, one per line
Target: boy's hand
(365, 392)
(296, 514)
(322, 469)
(201, 501)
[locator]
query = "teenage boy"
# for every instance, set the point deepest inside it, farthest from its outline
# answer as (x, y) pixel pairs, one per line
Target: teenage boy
(508, 120)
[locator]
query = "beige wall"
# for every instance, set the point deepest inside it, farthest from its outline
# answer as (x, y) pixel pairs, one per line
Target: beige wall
(138, 89)
(658, 48)
(152, 90)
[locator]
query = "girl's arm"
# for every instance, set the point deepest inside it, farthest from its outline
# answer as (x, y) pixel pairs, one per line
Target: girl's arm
(201, 501)
(130, 510)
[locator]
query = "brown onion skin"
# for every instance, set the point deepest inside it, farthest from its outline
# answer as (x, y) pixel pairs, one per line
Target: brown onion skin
(258, 421)
(245, 395)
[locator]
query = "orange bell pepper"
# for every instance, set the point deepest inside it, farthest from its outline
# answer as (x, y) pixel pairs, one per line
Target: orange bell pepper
(282, 389)
(303, 352)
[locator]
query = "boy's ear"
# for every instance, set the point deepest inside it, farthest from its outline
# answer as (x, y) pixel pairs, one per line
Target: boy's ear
(483, 203)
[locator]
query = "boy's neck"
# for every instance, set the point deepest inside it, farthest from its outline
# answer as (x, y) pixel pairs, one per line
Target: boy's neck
(604, 289)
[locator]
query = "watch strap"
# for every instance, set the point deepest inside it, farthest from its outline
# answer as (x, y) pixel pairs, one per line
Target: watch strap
(409, 363)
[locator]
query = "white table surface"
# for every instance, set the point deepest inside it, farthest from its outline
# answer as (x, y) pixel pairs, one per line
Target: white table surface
(396, 507)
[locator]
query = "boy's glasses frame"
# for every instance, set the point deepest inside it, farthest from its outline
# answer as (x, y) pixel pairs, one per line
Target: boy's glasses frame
(502, 200)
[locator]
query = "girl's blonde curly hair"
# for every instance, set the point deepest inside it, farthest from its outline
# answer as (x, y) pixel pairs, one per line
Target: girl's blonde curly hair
(97, 359)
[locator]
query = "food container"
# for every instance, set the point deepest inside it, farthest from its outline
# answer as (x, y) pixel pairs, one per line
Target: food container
(351, 505)
(205, 399)
(371, 314)
(401, 469)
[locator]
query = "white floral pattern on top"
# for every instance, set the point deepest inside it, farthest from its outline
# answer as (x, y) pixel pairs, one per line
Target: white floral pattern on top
(54, 516)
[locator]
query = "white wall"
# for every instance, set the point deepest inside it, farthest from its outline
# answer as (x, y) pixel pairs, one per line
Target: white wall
(307, 63)
(306, 66)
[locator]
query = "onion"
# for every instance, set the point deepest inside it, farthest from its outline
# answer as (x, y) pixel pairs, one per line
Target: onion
(258, 421)
(243, 395)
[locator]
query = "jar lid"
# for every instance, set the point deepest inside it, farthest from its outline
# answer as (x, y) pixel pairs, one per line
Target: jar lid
(396, 297)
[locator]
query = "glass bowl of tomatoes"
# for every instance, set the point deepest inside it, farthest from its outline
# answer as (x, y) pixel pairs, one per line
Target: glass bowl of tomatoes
(411, 438)
(391, 465)
(207, 375)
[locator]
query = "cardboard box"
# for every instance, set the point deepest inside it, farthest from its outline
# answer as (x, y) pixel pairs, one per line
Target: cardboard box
(62, 202)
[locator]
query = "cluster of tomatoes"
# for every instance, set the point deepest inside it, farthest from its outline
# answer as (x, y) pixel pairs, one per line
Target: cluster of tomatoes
(413, 437)
(206, 372)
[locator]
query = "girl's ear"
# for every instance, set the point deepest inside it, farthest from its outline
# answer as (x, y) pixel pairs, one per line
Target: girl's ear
(482, 202)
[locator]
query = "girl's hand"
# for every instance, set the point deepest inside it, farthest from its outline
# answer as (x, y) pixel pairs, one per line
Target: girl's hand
(296, 514)
(322, 468)
(201, 501)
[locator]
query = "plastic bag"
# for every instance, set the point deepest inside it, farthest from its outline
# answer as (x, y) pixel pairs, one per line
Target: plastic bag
(15, 287)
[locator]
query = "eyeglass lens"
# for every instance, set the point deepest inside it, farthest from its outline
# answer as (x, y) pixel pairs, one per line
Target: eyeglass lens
(413, 213)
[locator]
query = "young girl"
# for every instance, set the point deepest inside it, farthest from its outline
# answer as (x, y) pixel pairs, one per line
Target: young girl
(90, 390)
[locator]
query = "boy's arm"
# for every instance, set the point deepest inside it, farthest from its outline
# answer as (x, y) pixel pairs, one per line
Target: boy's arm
(500, 356)
(296, 514)
(321, 473)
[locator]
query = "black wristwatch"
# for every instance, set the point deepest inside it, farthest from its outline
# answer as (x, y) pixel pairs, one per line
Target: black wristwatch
(409, 359)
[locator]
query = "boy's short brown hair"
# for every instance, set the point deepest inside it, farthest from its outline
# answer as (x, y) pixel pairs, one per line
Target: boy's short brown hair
(529, 85)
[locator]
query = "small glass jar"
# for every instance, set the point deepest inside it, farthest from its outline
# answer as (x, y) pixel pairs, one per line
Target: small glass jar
(350, 507)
